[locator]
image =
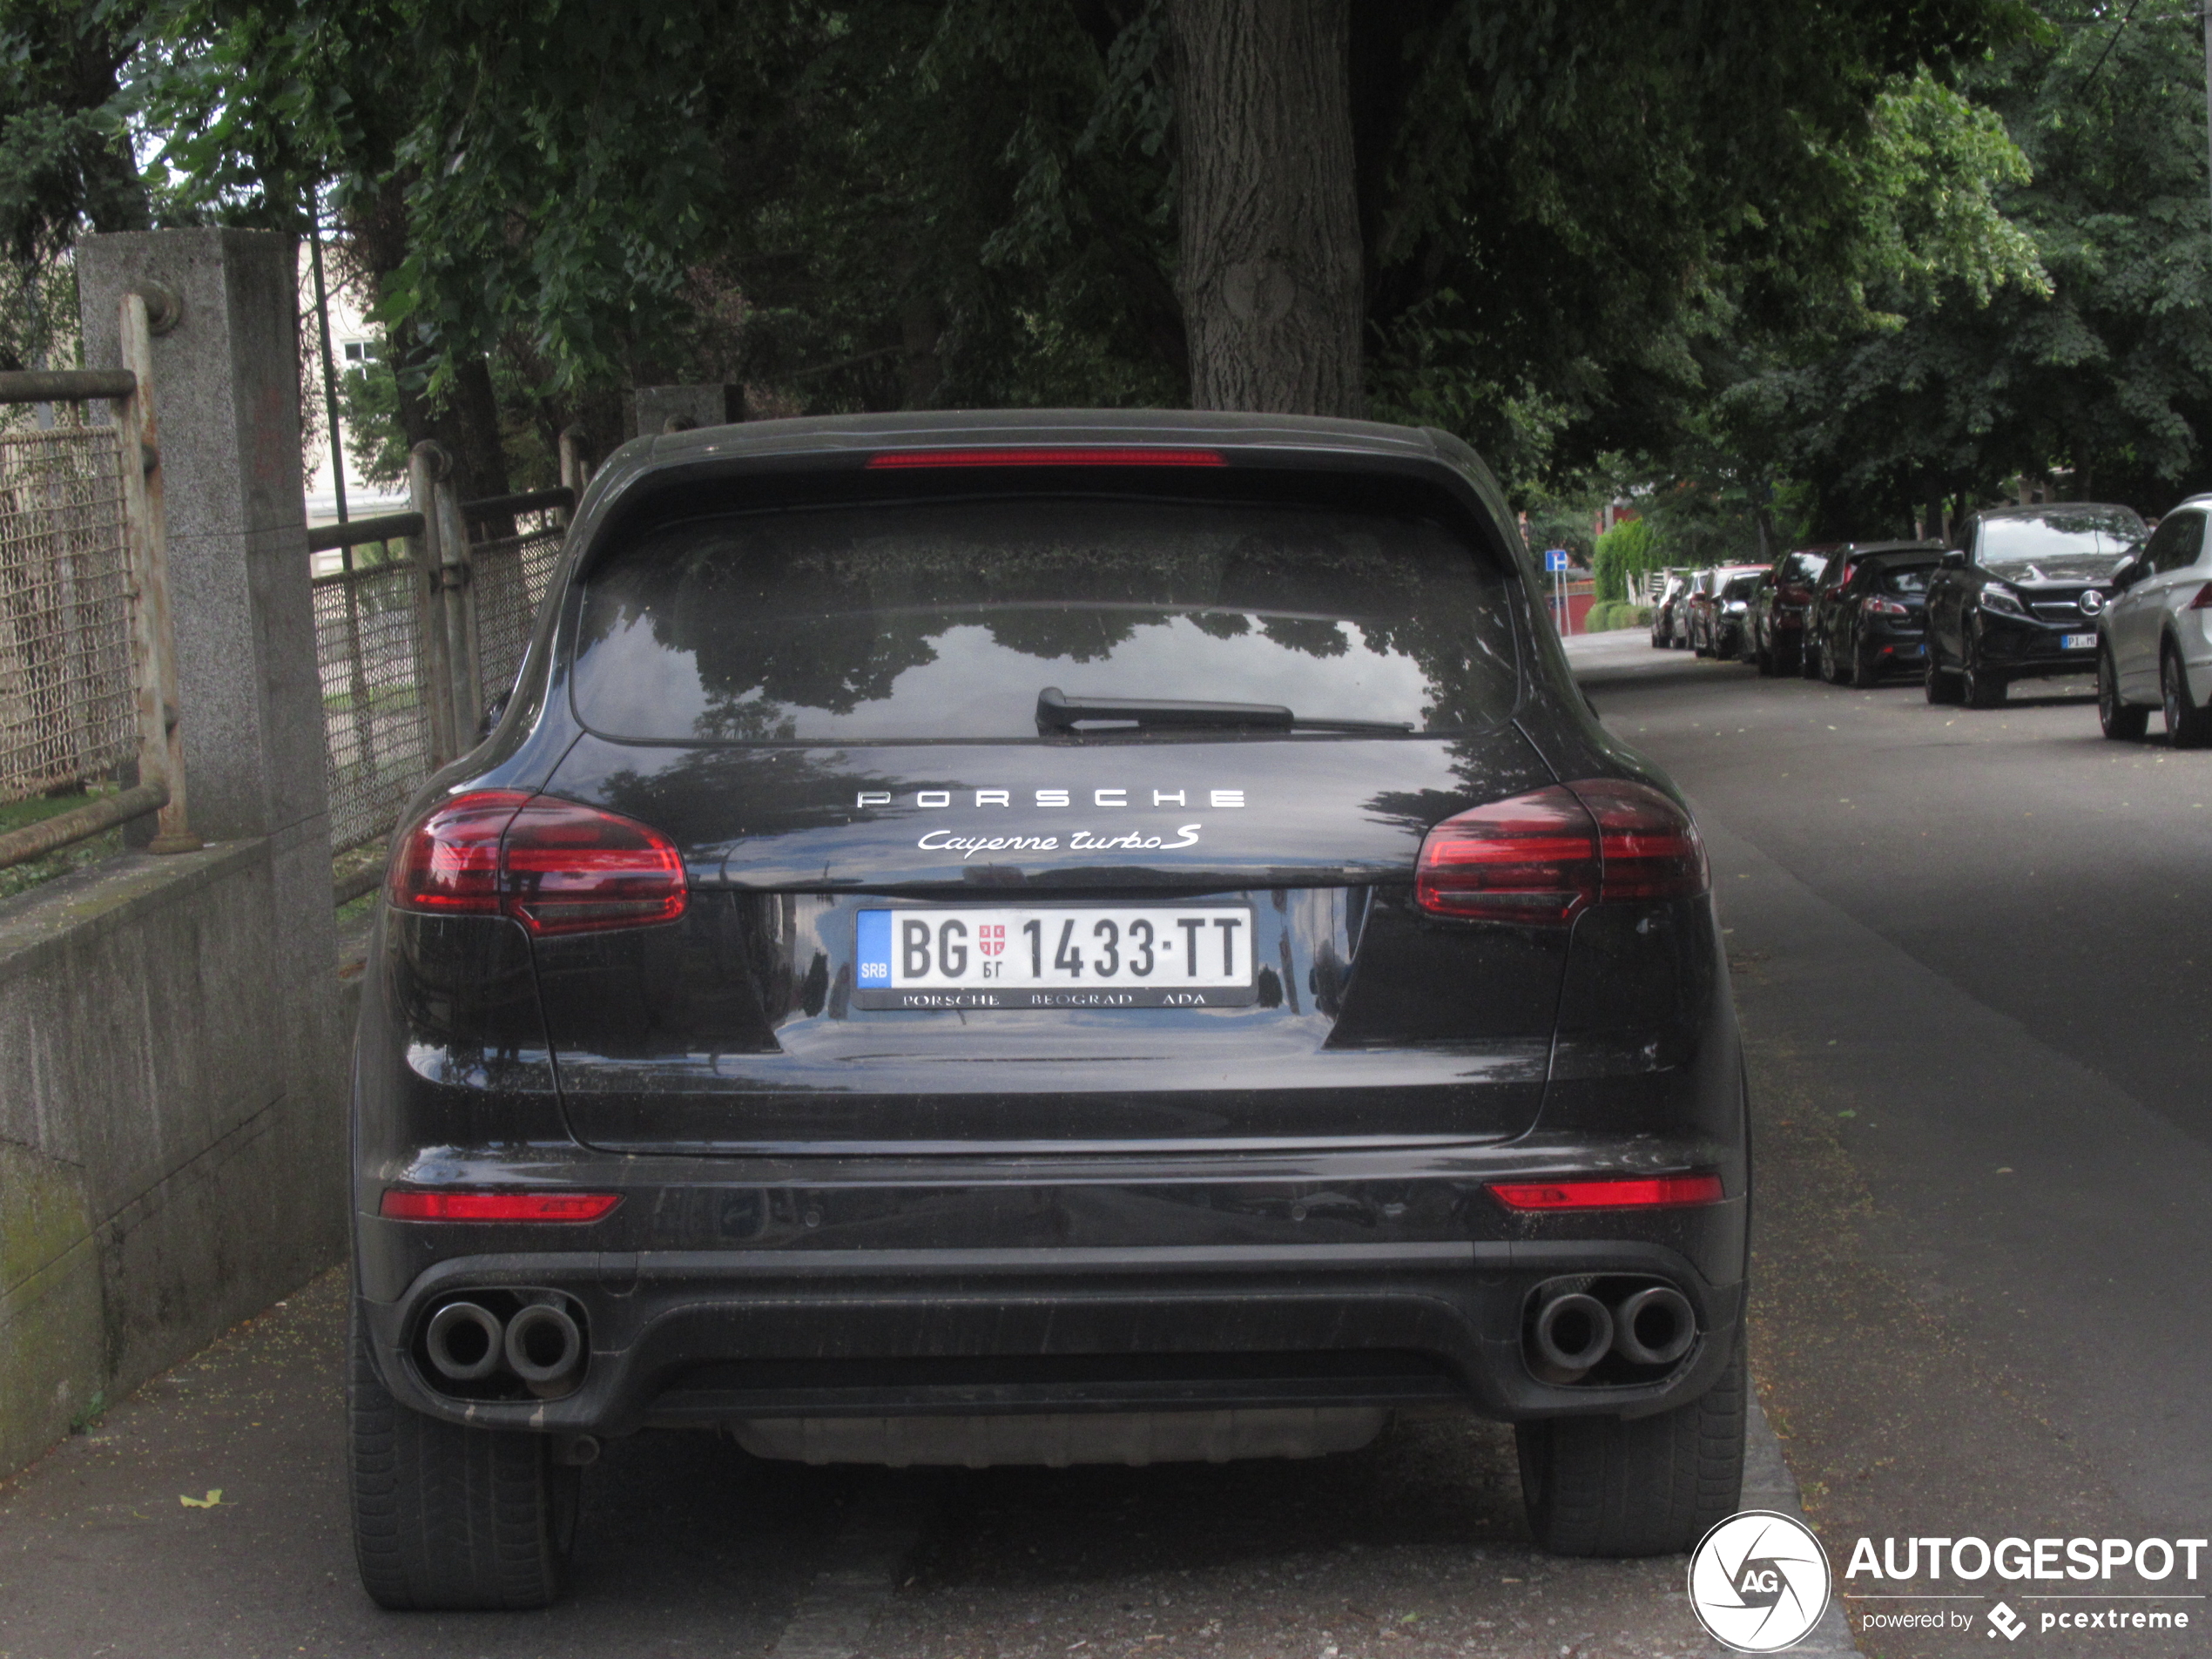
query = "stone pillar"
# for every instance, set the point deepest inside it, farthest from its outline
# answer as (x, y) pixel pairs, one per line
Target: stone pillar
(226, 388)
(656, 409)
(227, 382)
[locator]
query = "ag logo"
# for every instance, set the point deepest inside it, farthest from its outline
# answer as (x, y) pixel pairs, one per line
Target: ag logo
(1758, 1581)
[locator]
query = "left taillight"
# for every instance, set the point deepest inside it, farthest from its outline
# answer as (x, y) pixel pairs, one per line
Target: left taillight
(556, 866)
(1543, 857)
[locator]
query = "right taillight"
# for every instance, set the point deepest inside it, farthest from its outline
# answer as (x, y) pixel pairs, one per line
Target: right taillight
(1647, 845)
(1531, 860)
(2204, 600)
(556, 866)
(1543, 857)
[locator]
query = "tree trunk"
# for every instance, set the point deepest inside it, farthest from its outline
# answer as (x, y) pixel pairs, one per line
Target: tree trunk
(1270, 277)
(468, 423)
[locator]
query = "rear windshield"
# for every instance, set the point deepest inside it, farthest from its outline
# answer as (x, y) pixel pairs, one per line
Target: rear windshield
(1907, 578)
(1804, 567)
(944, 621)
(1742, 586)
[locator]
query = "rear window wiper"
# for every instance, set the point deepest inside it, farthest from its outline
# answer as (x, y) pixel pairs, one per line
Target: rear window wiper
(1057, 711)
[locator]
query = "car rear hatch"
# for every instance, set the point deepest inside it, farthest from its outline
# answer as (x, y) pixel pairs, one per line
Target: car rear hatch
(976, 860)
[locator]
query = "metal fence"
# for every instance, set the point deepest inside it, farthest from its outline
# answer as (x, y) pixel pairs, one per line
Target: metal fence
(68, 707)
(508, 580)
(88, 661)
(376, 732)
(412, 643)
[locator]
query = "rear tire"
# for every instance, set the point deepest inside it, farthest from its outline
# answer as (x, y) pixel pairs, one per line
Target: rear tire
(1864, 670)
(1597, 1486)
(449, 1518)
(1942, 690)
(2187, 725)
(1809, 657)
(1764, 657)
(2121, 722)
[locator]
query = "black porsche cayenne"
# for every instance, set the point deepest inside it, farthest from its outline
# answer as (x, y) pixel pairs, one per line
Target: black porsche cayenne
(1040, 939)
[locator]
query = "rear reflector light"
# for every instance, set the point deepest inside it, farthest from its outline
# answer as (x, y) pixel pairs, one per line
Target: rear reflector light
(1118, 456)
(2204, 600)
(556, 866)
(399, 1205)
(1646, 1193)
(1543, 857)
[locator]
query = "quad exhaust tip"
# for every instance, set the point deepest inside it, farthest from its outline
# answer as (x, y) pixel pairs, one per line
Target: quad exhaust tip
(1655, 1326)
(544, 1345)
(465, 1341)
(1573, 1333)
(1651, 1326)
(540, 1346)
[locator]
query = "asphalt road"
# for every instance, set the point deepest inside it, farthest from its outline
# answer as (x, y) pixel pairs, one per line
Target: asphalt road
(1966, 953)
(1972, 960)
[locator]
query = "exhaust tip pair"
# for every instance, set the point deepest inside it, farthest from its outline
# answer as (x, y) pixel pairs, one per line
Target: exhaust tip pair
(541, 1345)
(1653, 1327)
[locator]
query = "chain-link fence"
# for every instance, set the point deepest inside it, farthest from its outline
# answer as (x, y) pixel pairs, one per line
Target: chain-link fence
(68, 711)
(397, 695)
(376, 730)
(508, 580)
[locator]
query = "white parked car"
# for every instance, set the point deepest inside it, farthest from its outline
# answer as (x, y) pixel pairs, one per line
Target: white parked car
(2154, 638)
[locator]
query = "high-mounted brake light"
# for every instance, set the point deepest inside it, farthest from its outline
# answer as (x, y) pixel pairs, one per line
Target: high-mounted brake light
(1642, 1193)
(401, 1203)
(1543, 857)
(556, 866)
(1111, 455)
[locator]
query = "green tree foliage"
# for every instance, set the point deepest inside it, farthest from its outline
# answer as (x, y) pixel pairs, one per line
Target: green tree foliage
(1628, 549)
(1581, 221)
(2096, 359)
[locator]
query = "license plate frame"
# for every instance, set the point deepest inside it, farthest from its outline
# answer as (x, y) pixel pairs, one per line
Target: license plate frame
(2077, 642)
(1218, 965)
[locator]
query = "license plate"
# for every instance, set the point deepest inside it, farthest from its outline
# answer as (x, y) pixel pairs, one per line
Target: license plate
(1078, 957)
(2077, 642)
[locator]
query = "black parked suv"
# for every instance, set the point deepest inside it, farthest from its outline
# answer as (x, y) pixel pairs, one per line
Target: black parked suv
(1778, 618)
(1075, 937)
(1871, 623)
(2020, 595)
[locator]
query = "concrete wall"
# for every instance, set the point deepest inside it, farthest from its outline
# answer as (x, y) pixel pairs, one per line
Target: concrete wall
(172, 1050)
(171, 1141)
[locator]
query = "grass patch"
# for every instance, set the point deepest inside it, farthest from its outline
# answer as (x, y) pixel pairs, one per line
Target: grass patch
(15, 814)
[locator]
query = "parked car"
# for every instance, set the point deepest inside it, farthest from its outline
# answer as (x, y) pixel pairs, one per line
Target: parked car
(1873, 624)
(2021, 594)
(2155, 636)
(1779, 617)
(1717, 611)
(1697, 589)
(890, 991)
(1662, 614)
(1833, 574)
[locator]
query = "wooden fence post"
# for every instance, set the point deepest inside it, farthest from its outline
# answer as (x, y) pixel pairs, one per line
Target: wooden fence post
(426, 465)
(161, 747)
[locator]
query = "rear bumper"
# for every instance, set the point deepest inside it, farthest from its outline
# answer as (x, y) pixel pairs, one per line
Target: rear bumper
(1342, 1307)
